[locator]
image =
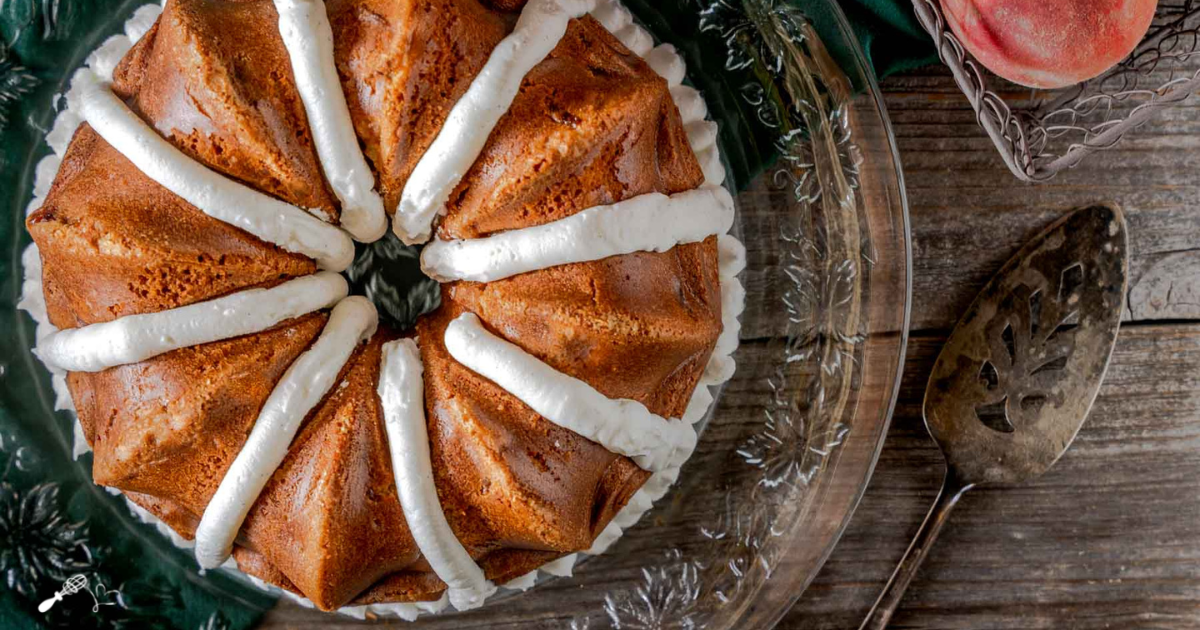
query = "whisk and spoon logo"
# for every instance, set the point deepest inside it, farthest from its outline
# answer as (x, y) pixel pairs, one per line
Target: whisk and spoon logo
(78, 583)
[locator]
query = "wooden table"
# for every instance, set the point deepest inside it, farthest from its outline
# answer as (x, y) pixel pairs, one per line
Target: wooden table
(1110, 538)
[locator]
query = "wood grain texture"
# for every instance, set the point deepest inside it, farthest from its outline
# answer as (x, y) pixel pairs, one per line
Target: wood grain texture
(1109, 538)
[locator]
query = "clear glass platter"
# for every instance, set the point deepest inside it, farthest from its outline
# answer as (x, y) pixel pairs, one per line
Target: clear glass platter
(786, 453)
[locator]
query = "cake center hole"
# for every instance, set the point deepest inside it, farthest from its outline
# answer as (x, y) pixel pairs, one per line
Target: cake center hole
(388, 273)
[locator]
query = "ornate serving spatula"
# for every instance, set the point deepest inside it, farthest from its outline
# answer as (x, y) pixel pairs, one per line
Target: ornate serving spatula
(1017, 377)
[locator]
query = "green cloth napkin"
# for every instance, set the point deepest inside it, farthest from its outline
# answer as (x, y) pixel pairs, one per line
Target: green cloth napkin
(889, 34)
(54, 523)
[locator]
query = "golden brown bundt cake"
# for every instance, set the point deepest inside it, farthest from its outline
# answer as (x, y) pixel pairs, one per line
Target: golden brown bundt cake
(591, 125)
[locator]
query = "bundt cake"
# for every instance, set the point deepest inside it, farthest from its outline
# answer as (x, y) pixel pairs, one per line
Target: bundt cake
(565, 190)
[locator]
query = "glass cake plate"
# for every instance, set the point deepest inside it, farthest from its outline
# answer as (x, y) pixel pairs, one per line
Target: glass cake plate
(786, 451)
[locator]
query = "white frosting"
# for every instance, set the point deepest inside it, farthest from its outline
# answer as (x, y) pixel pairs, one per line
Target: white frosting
(223, 199)
(308, 38)
(104, 59)
(613, 16)
(691, 105)
(652, 222)
(44, 173)
(710, 163)
(667, 63)
(136, 338)
(522, 582)
(698, 405)
(539, 28)
(302, 386)
(622, 426)
(402, 394)
(562, 567)
(607, 536)
(732, 256)
(701, 134)
(636, 39)
(60, 136)
(142, 21)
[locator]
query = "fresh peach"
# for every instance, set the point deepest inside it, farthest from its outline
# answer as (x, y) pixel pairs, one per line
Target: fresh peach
(1049, 43)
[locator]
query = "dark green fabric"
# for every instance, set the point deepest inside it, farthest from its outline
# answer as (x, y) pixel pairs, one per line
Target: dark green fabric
(53, 521)
(889, 34)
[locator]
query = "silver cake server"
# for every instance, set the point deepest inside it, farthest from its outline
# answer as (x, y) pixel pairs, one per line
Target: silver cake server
(1018, 375)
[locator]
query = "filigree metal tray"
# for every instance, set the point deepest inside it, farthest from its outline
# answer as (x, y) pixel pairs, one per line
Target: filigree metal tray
(1042, 132)
(787, 450)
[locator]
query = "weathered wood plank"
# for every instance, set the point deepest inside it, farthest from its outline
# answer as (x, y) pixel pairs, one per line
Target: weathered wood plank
(969, 214)
(1109, 538)
(1169, 288)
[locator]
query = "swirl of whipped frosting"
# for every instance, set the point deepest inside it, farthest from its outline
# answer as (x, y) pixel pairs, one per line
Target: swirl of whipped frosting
(402, 394)
(136, 338)
(652, 222)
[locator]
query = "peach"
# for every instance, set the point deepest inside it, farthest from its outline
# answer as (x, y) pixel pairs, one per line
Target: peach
(1049, 43)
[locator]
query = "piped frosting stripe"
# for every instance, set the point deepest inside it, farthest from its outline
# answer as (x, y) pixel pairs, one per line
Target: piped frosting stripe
(732, 257)
(652, 222)
(223, 199)
(401, 392)
(302, 386)
(308, 37)
(622, 426)
(538, 30)
(136, 338)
